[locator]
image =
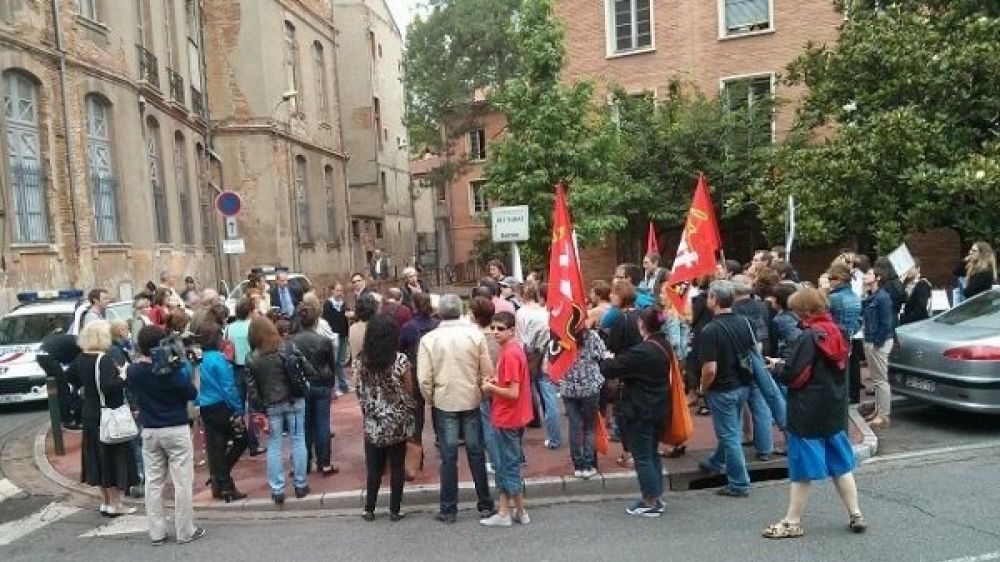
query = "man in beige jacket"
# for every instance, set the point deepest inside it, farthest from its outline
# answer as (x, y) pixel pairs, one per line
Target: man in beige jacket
(452, 364)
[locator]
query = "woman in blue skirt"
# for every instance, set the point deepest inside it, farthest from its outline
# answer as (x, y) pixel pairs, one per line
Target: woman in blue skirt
(817, 440)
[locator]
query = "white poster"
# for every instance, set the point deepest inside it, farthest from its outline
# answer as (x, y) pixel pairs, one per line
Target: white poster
(901, 260)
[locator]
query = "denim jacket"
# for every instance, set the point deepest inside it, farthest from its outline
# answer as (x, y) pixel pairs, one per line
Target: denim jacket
(845, 307)
(879, 323)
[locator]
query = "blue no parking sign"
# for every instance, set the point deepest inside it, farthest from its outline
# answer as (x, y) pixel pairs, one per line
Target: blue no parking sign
(228, 203)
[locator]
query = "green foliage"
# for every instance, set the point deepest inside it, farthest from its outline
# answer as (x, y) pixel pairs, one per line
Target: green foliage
(462, 46)
(911, 90)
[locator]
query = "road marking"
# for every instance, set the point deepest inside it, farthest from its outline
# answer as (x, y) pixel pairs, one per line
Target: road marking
(931, 452)
(980, 558)
(8, 489)
(13, 530)
(124, 525)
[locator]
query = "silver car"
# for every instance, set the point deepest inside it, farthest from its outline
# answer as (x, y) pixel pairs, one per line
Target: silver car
(952, 359)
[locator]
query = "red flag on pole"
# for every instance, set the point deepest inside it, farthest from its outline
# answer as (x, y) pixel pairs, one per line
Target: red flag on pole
(565, 299)
(700, 242)
(652, 244)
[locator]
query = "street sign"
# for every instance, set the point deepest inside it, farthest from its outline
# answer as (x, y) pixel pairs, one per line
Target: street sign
(228, 203)
(510, 224)
(232, 229)
(234, 246)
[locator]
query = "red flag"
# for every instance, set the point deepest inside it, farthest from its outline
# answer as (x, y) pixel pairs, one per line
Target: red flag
(652, 244)
(565, 300)
(700, 241)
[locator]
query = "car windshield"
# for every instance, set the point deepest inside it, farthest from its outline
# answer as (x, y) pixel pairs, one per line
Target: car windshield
(982, 311)
(32, 328)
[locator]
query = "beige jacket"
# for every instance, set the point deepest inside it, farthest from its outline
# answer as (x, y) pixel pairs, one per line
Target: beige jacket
(452, 362)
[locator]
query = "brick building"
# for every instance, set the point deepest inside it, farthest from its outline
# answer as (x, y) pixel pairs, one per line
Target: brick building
(106, 179)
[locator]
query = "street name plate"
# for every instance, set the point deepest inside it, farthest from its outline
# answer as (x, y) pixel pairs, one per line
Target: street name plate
(510, 224)
(233, 246)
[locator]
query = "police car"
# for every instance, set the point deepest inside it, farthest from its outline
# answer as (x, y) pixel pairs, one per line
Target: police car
(22, 330)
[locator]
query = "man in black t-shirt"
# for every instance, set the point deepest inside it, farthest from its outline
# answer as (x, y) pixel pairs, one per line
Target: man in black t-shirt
(57, 352)
(726, 387)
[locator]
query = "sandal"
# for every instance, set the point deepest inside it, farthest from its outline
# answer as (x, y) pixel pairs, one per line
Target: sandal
(878, 422)
(675, 453)
(625, 462)
(783, 530)
(858, 524)
(703, 411)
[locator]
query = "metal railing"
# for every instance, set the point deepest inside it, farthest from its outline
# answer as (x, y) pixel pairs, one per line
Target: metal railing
(197, 102)
(176, 86)
(149, 67)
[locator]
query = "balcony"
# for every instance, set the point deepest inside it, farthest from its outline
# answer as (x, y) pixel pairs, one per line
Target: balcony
(149, 67)
(176, 86)
(197, 102)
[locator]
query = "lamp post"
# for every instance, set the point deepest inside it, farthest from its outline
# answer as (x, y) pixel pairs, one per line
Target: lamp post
(293, 208)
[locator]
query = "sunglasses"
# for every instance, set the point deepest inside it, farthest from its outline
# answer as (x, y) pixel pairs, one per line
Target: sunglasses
(499, 328)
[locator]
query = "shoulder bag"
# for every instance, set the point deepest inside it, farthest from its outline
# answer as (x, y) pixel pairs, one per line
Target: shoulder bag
(117, 424)
(680, 426)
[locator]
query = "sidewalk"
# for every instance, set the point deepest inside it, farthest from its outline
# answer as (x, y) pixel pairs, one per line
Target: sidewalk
(548, 474)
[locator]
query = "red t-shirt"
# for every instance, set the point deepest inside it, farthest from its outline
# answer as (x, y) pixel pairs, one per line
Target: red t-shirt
(512, 368)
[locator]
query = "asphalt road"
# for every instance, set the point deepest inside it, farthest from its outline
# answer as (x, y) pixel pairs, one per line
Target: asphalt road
(921, 507)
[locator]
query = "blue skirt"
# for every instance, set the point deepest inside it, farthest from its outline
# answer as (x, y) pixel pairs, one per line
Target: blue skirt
(819, 458)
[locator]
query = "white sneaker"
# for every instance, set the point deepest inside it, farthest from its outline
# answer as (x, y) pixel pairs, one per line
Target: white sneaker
(577, 474)
(489, 468)
(523, 519)
(497, 520)
(588, 474)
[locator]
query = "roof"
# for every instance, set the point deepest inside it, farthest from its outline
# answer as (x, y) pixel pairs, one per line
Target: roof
(47, 307)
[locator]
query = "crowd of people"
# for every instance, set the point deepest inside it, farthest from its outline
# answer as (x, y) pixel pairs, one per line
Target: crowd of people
(761, 352)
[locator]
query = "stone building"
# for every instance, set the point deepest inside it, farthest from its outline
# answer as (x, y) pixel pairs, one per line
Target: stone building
(276, 124)
(383, 205)
(107, 176)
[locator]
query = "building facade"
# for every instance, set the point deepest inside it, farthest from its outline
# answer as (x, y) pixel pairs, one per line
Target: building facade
(272, 81)
(106, 180)
(383, 203)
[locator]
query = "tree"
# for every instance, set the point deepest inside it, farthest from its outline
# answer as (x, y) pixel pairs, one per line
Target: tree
(906, 108)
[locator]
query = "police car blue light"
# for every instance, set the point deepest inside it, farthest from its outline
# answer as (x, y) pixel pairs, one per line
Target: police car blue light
(37, 296)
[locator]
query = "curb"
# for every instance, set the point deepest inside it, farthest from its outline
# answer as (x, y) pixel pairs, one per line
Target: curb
(868, 448)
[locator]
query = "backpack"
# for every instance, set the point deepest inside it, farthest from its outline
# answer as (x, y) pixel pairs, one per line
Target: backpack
(300, 370)
(168, 355)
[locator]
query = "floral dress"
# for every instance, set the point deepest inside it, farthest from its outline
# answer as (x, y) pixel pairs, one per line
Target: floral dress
(386, 406)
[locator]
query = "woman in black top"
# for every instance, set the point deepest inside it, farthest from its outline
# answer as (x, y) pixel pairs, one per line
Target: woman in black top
(701, 315)
(980, 269)
(319, 350)
(817, 440)
(112, 467)
(645, 406)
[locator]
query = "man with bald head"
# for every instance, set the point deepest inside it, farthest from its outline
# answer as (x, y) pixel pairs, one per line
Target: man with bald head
(284, 296)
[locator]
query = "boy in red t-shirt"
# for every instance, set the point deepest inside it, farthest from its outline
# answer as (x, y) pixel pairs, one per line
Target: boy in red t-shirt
(510, 411)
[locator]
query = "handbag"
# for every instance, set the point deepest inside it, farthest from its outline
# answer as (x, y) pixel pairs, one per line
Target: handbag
(680, 426)
(117, 424)
(414, 462)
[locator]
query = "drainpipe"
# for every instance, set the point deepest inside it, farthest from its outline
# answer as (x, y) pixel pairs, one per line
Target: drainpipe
(69, 136)
(210, 150)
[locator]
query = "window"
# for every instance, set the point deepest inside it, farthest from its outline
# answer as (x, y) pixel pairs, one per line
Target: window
(377, 118)
(477, 144)
(440, 189)
(737, 17)
(319, 71)
(631, 25)
(384, 185)
(291, 61)
(302, 197)
(193, 20)
(356, 229)
(379, 230)
(155, 164)
(752, 95)
(87, 9)
(477, 197)
(331, 207)
(20, 110)
(103, 186)
(206, 198)
(183, 189)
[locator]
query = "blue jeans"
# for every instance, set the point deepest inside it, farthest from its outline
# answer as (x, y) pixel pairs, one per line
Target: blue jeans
(770, 393)
(448, 424)
(318, 425)
(289, 417)
(763, 424)
(644, 438)
(582, 414)
(507, 462)
(489, 433)
(726, 408)
(550, 403)
(339, 376)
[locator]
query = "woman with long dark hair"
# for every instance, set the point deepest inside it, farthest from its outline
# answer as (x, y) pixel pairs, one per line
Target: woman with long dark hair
(644, 371)
(385, 388)
(320, 352)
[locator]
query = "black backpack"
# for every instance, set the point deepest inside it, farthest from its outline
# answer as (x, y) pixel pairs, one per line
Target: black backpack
(300, 370)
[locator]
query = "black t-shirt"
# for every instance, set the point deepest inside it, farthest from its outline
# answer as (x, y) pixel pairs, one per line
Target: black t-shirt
(61, 347)
(717, 345)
